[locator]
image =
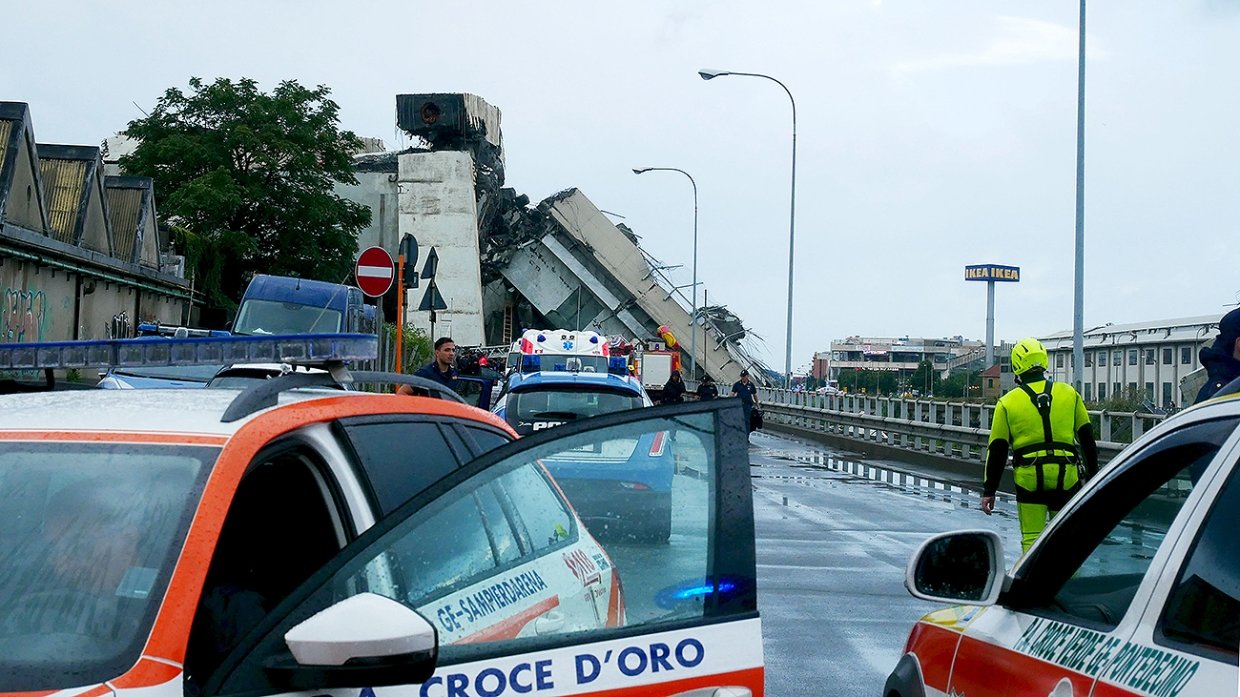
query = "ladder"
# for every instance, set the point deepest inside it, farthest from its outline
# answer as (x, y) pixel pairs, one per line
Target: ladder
(509, 311)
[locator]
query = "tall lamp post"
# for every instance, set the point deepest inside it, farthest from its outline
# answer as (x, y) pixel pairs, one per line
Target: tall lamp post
(792, 217)
(1078, 303)
(693, 315)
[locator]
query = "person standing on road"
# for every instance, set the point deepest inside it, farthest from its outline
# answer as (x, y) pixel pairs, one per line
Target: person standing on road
(706, 389)
(1222, 359)
(443, 369)
(748, 394)
(1041, 423)
(673, 389)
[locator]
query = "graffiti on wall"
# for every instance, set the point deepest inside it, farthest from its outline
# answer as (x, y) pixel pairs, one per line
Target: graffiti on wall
(23, 316)
(120, 328)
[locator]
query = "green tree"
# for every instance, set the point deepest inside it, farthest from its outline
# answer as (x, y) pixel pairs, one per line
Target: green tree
(881, 382)
(245, 180)
(925, 379)
(962, 385)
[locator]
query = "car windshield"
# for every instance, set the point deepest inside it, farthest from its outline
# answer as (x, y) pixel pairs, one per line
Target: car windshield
(195, 373)
(90, 534)
(562, 403)
(275, 317)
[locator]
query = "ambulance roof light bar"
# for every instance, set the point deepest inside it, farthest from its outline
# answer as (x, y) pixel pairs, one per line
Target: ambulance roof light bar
(296, 349)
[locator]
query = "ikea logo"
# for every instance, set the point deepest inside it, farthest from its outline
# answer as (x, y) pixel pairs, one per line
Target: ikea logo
(992, 272)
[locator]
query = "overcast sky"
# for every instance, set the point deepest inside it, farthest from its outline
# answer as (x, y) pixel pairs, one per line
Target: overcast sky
(931, 135)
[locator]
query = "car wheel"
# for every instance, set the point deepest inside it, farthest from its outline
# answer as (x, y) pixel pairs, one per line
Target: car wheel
(659, 524)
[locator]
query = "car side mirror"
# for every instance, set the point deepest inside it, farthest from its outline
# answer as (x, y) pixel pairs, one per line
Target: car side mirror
(958, 567)
(366, 639)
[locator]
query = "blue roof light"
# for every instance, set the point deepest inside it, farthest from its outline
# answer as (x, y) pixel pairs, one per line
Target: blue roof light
(157, 351)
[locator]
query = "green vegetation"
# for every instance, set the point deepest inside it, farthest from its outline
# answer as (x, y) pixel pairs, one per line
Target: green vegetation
(416, 346)
(244, 179)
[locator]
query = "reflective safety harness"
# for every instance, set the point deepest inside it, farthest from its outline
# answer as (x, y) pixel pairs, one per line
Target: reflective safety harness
(1025, 457)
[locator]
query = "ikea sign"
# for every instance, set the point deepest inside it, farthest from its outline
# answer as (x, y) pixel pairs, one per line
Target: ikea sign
(991, 272)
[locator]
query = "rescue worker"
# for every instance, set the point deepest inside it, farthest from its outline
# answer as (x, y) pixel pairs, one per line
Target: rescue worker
(1222, 359)
(442, 370)
(1041, 423)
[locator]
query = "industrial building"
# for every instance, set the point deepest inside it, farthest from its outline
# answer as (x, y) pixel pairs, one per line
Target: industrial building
(1151, 357)
(80, 252)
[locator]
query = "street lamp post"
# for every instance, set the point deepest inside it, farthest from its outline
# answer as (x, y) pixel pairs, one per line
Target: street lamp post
(1078, 304)
(792, 217)
(693, 314)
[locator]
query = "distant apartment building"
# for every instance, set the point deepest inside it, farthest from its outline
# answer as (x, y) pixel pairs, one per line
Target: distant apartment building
(901, 354)
(1151, 357)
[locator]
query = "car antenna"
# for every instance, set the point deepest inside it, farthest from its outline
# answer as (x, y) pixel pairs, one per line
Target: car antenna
(323, 310)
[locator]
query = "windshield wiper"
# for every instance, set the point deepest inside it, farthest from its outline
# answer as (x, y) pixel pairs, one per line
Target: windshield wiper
(554, 414)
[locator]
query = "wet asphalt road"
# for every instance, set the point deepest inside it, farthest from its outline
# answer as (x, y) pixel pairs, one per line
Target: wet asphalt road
(834, 535)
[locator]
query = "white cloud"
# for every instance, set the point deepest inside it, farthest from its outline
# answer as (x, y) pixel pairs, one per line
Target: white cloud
(1018, 41)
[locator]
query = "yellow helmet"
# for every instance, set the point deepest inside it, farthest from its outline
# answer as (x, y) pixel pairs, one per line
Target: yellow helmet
(1029, 353)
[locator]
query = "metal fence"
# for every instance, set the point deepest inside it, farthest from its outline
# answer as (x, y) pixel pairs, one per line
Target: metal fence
(951, 429)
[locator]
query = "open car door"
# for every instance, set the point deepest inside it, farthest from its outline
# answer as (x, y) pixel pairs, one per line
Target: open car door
(534, 585)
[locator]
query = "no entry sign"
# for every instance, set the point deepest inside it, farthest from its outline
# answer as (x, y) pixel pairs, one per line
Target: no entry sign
(374, 271)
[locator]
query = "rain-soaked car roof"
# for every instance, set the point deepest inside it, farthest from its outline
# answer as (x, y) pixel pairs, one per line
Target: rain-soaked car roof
(165, 411)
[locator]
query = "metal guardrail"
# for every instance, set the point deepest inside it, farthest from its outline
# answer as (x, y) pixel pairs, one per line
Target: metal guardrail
(952, 429)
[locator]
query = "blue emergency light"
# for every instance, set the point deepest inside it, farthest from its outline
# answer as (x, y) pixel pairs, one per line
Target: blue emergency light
(157, 329)
(298, 349)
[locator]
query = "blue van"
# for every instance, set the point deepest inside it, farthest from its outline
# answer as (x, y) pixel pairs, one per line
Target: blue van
(290, 305)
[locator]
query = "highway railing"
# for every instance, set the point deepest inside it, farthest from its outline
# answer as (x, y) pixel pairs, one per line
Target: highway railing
(951, 429)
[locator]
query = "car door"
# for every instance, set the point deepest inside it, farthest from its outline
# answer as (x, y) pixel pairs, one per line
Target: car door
(1077, 599)
(526, 599)
(1193, 625)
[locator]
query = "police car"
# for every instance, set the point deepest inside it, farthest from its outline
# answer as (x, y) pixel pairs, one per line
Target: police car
(1133, 589)
(617, 483)
(287, 538)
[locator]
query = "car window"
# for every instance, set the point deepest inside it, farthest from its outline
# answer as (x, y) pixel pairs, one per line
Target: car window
(197, 373)
(283, 523)
(399, 457)
(559, 404)
(486, 438)
(500, 521)
(1202, 615)
(472, 391)
(88, 537)
(543, 515)
(275, 317)
(424, 568)
(1091, 567)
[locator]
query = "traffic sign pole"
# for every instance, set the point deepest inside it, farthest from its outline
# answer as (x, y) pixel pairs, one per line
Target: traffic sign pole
(400, 311)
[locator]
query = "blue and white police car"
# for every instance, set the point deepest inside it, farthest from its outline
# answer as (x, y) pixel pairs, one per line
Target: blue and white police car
(621, 488)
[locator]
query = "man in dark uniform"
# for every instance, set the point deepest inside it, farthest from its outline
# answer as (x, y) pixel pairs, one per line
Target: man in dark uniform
(1222, 359)
(706, 389)
(443, 369)
(673, 389)
(748, 394)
